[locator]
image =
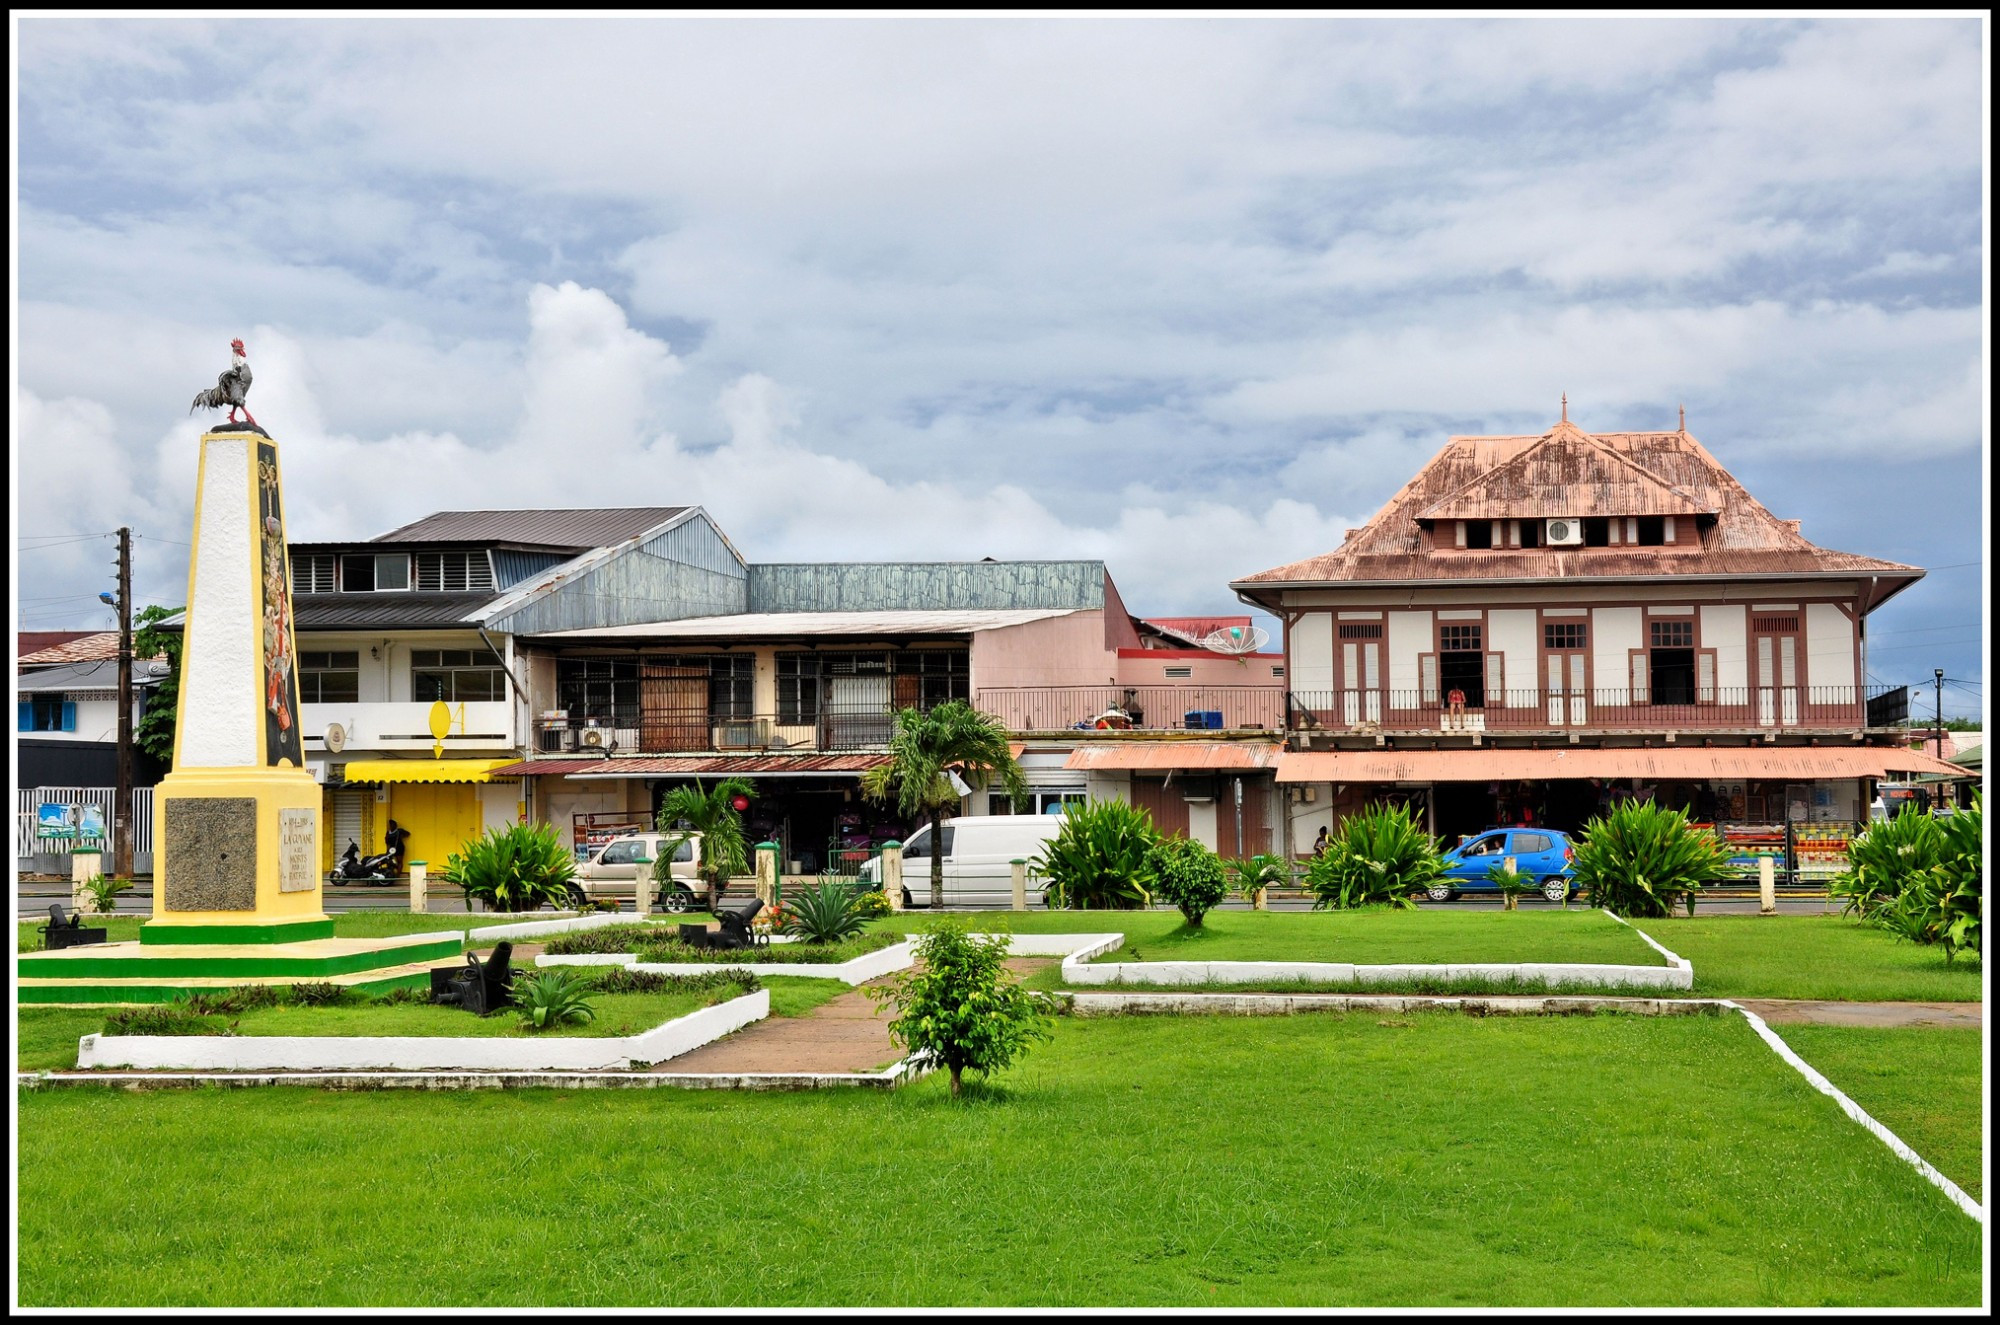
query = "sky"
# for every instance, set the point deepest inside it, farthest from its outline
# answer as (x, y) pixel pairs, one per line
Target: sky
(1192, 296)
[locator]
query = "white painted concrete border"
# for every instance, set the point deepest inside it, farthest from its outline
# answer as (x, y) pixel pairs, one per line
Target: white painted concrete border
(1077, 968)
(1673, 959)
(857, 971)
(1093, 1004)
(250, 1053)
(1860, 1115)
(889, 1078)
(531, 928)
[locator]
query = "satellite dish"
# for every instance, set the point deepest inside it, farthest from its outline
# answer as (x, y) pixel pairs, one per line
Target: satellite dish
(336, 737)
(1235, 640)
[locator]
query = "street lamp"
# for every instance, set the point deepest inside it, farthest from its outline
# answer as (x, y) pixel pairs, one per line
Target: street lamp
(1937, 680)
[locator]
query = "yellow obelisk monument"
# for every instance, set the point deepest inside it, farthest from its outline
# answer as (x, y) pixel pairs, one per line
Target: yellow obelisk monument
(236, 823)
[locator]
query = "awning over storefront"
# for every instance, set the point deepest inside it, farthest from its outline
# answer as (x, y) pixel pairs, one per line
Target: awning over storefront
(1792, 763)
(703, 765)
(427, 770)
(1211, 756)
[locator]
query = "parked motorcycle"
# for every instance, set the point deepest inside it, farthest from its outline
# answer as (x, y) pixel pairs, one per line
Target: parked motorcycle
(356, 868)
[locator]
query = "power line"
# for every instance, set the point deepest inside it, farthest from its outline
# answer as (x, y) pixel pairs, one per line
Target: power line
(1918, 630)
(43, 547)
(1928, 644)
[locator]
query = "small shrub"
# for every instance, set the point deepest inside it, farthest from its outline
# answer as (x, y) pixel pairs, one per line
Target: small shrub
(1379, 856)
(1942, 902)
(962, 1010)
(869, 902)
(317, 994)
(1101, 858)
(406, 994)
(1190, 876)
(625, 980)
(521, 867)
(104, 892)
(1640, 859)
(553, 995)
(1511, 883)
(609, 938)
(1255, 874)
(1885, 857)
(183, 1016)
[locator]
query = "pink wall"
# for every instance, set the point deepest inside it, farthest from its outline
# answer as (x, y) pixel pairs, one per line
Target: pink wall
(1148, 667)
(1059, 651)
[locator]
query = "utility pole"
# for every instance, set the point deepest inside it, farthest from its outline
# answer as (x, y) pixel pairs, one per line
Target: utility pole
(1937, 680)
(121, 805)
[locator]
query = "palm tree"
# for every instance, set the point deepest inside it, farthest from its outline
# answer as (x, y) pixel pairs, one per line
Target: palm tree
(712, 813)
(926, 745)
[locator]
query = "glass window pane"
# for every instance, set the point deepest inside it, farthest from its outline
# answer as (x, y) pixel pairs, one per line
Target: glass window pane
(392, 571)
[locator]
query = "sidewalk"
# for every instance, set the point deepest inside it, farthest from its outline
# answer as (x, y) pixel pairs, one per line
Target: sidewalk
(1796, 1011)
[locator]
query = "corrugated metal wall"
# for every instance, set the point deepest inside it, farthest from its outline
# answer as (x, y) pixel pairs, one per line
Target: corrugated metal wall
(687, 571)
(961, 585)
(511, 566)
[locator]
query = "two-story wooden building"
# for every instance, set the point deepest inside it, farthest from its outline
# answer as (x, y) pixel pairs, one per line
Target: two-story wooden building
(1534, 626)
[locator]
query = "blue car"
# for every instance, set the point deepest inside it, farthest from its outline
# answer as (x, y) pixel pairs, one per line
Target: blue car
(1542, 857)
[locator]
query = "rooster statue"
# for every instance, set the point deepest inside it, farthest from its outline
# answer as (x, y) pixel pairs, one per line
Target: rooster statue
(230, 388)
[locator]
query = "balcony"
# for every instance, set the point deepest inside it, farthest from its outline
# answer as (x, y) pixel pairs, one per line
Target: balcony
(827, 730)
(1773, 709)
(1135, 708)
(481, 726)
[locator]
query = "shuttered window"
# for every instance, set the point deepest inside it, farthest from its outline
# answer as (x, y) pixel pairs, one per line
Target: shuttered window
(1429, 673)
(1496, 693)
(312, 574)
(453, 572)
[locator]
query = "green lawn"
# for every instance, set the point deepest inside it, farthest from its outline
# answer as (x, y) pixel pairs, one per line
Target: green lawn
(796, 995)
(348, 925)
(617, 1015)
(1371, 936)
(1920, 1082)
(1816, 957)
(1427, 1160)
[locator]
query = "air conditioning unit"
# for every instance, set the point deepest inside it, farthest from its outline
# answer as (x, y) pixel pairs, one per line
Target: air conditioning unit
(552, 734)
(743, 734)
(1564, 531)
(593, 738)
(1198, 789)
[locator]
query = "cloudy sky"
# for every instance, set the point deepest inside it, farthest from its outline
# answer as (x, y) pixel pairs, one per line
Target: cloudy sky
(1190, 296)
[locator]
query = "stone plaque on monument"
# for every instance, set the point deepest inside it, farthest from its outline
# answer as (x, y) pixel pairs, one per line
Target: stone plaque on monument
(298, 850)
(212, 842)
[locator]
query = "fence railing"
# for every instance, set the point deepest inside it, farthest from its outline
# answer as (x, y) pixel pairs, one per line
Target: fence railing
(645, 730)
(27, 819)
(1681, 708)
(1134, 708)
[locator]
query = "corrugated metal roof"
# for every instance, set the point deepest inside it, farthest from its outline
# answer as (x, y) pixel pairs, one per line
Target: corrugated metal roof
(763, 624)
(100, 675)
(385, 611)
(577, 528)
(857, 586)
(687, 765)
(1210, 756)
(1652, 472)
(1801, 763)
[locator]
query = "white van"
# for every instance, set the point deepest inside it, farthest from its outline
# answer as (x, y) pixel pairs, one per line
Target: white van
(979, 853)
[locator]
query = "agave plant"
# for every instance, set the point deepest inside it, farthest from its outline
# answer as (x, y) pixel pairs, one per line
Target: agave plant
(517, 868)
(1640, 859)
(1884, 859)
(1379, 856)
(1100, 859)
(552, 996)
(1943, 902)
(826, 913)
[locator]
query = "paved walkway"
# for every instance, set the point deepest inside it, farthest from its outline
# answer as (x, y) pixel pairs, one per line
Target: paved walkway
(1796, 1011)
(849, 1033)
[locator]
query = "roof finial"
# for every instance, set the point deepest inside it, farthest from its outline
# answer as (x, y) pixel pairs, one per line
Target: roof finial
(1565, 407)
(1684, 418)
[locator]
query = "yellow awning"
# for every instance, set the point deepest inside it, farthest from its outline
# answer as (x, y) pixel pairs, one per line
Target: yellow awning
(425, 770)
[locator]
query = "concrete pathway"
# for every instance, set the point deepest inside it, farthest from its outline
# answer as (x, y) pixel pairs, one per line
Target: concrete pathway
(1797, 1011)
(849, 1033)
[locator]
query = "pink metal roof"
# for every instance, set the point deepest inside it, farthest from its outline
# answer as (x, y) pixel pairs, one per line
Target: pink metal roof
(99, 647)
(1569, 472)
(1693, 764)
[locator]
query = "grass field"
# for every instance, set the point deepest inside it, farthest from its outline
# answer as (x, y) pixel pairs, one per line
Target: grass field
(1922, 1083)
(1817, 957)
(1371, 936)
(1145, 1162)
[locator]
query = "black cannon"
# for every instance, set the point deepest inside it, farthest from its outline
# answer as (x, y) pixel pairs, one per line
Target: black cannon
(67, 931)
(478, 987)
(735, 932)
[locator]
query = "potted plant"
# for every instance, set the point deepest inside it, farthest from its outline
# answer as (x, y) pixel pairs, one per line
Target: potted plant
(1257, 875)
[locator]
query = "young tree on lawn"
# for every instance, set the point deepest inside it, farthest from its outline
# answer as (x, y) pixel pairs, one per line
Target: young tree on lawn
(155, 732)
(962, 1009)
(952, 737)
(712, 812)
